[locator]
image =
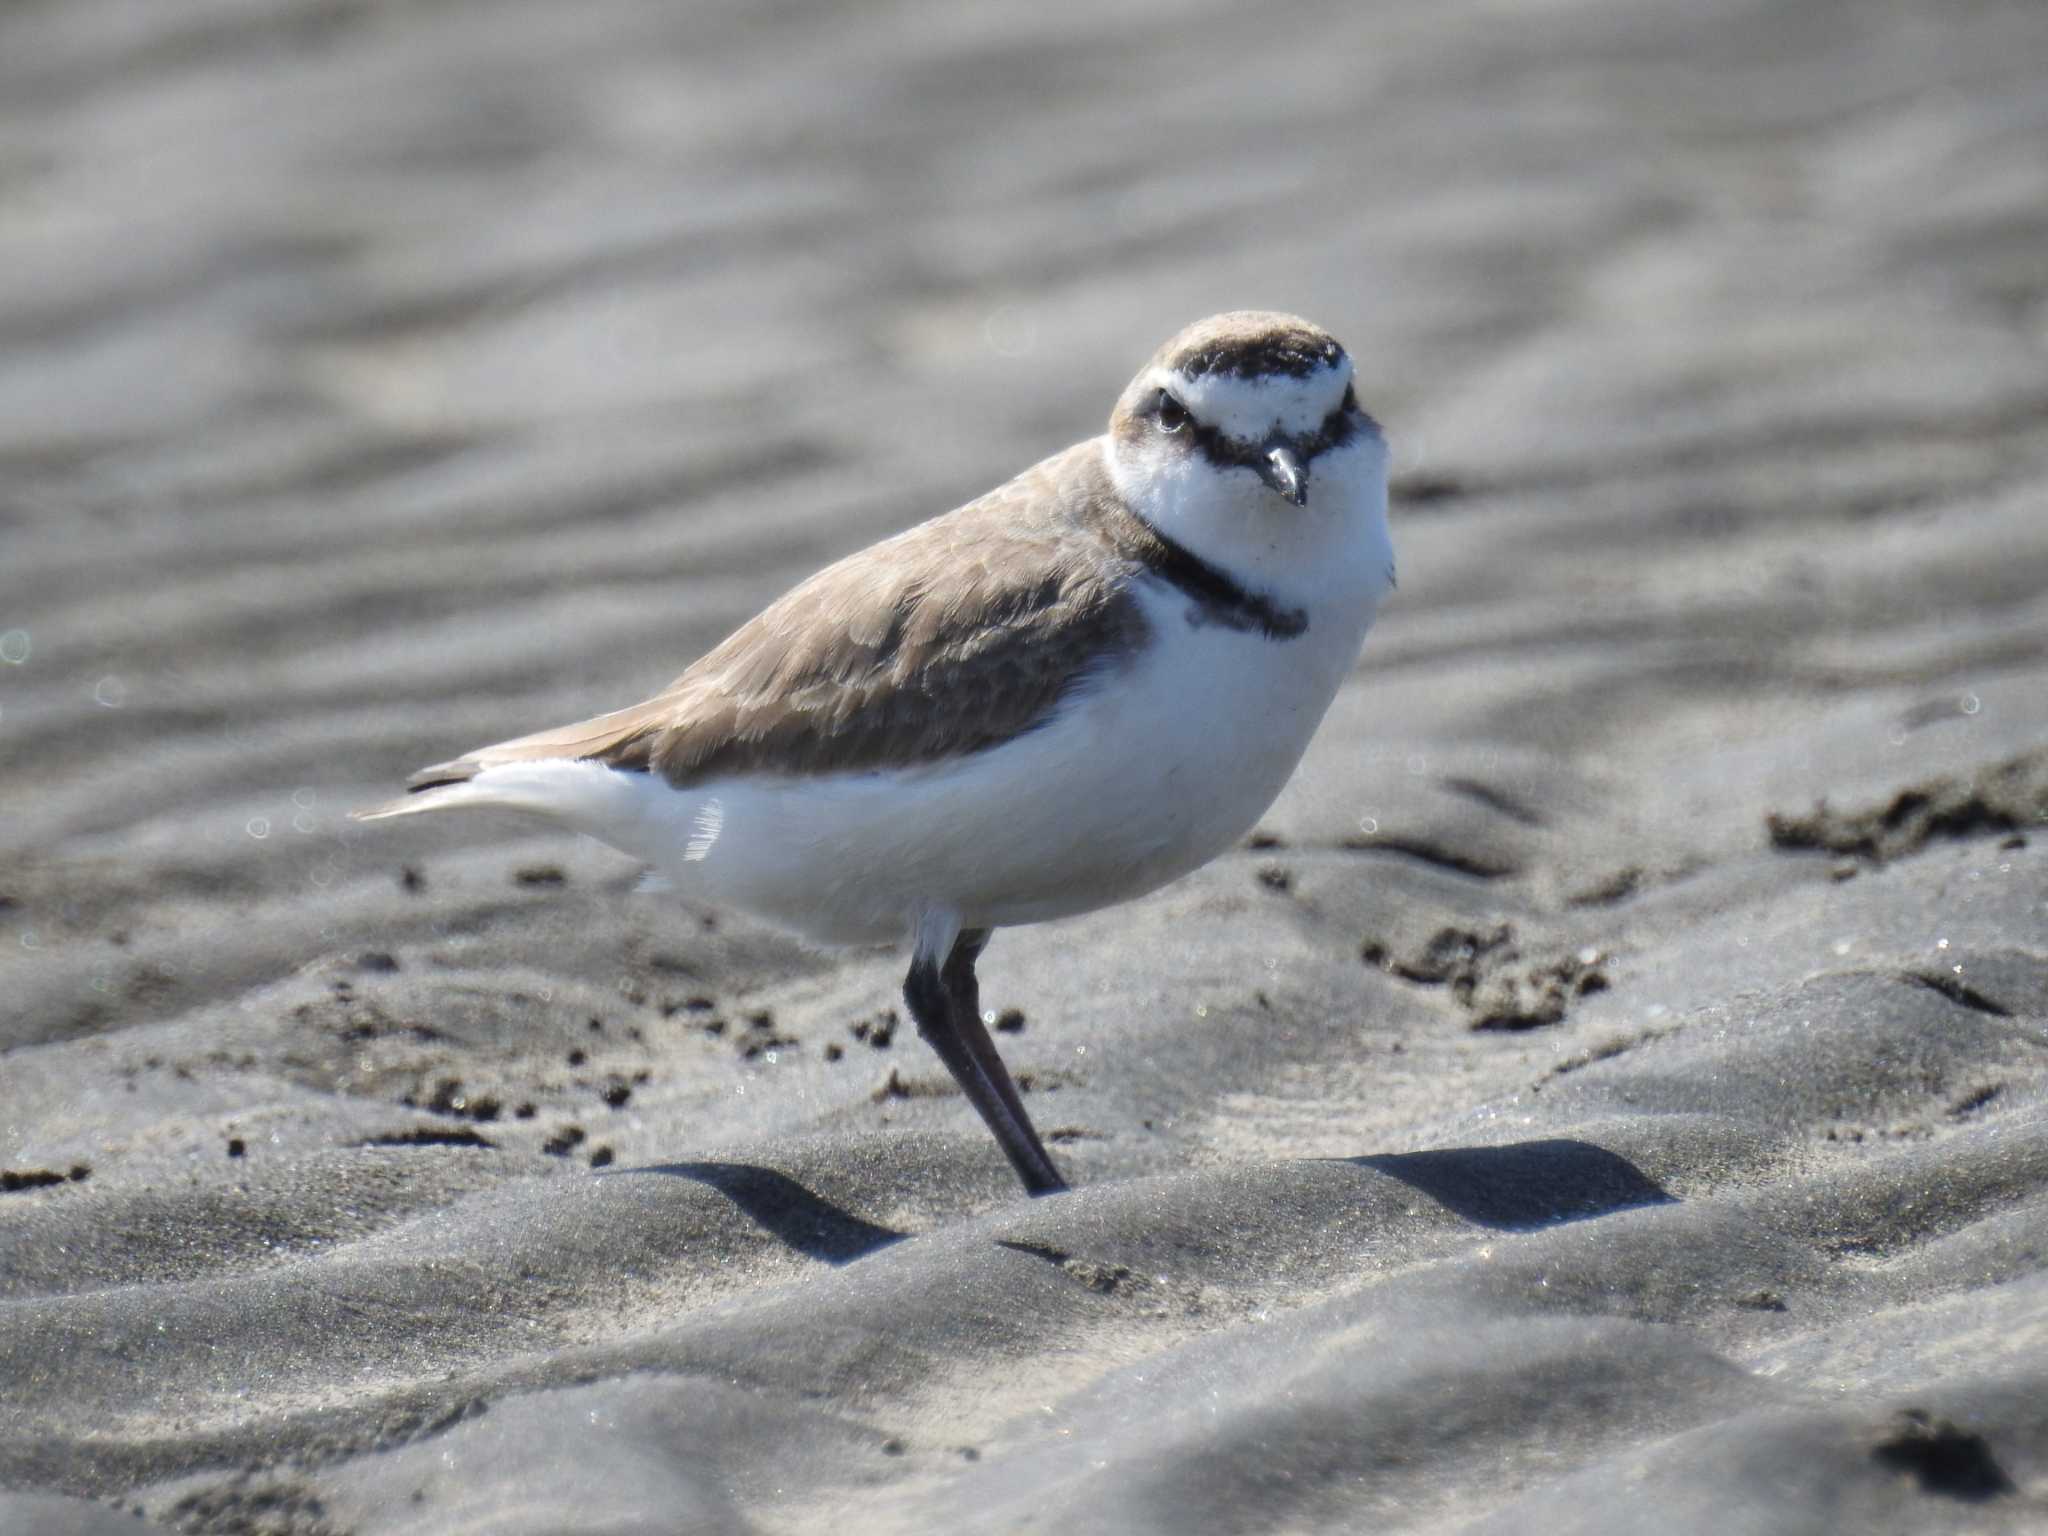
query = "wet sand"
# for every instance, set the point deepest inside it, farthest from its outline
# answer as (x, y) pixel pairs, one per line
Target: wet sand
(1613, 1084)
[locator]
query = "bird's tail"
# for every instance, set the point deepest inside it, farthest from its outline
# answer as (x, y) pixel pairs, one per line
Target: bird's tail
(578, 793)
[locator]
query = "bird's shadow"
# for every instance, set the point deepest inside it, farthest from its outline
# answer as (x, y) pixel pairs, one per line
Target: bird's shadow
(1518, 1187)
(1525, 1184)
(809, 1223)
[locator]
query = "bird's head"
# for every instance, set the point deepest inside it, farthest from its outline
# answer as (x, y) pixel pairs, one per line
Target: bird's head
(1254, 397)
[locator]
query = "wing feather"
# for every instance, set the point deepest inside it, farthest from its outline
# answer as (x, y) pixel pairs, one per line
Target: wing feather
(945, 640)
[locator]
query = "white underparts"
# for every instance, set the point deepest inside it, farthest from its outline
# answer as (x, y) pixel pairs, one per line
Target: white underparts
(710, 822)
(932, 933)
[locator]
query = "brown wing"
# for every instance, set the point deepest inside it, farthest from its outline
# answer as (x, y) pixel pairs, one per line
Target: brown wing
(943, 641)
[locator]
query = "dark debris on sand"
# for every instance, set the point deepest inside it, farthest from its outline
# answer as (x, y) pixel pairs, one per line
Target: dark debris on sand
(2006, 797)
(14, 1180)
(431, 1136)
(378, 381)
(1490, 978)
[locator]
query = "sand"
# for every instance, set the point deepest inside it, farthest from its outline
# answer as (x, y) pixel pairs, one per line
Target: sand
(1609, 1093)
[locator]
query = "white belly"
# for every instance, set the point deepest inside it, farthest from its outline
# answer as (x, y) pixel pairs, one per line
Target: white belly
(1147, 775)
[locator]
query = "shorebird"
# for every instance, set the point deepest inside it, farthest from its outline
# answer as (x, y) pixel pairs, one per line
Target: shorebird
(1058, 697)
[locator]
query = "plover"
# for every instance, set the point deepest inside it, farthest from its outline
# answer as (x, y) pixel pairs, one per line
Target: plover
(1061, 696)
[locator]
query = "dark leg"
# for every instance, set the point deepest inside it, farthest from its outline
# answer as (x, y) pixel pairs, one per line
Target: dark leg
(964, 992)
(945, 1001)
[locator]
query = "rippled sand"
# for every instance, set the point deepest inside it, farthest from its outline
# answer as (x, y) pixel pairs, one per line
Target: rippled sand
(1611, 1093)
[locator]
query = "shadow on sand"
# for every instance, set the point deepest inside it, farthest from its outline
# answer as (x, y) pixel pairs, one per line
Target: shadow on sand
(1524, 1184)
(813, 1226)
(1517, 1187)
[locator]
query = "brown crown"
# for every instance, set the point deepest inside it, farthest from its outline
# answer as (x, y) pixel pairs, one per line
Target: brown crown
(1250, 343)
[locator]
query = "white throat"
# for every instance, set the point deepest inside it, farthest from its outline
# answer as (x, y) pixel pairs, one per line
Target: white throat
(1336, 548)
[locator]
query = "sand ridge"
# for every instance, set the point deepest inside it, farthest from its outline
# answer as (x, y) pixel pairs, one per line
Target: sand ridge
(1612, 1085)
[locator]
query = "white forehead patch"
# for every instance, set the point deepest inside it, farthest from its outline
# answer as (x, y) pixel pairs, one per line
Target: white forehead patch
(1249, 409)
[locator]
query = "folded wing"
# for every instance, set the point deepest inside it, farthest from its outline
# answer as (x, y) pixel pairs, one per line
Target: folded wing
(946, 640)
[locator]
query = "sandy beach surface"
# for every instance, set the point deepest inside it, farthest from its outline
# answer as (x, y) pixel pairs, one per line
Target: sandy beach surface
(1608, 1094)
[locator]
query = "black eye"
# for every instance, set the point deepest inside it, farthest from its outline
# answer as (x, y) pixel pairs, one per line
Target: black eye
(1172, 414)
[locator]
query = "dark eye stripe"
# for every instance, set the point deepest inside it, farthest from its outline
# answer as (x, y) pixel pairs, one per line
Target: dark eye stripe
(1336, 429)
(1343, 425)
